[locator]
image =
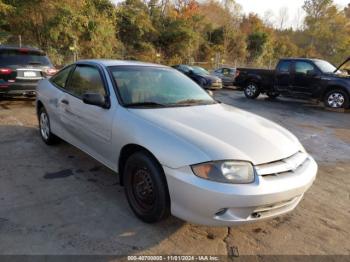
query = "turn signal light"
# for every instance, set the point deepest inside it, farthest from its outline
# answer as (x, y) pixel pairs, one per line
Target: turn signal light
(5, 71)
(237, 73)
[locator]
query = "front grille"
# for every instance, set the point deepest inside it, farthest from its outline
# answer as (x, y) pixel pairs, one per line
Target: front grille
(276, 205)
(285, 166)
(275, 209)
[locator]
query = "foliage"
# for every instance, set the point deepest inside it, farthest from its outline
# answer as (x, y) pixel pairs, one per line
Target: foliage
(169, 32)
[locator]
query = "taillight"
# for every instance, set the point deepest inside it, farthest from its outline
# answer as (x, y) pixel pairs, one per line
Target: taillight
(237, 73)
(51, 71)
(5, 71)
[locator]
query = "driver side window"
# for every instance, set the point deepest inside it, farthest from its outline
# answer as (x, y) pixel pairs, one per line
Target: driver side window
(86, 79)
(303, 68)
(226, 71)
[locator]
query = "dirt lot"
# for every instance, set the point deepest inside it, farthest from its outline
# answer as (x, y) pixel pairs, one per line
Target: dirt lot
(57, 200)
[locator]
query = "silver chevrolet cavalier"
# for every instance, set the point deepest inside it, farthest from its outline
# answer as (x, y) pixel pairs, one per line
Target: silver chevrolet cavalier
(176, 150)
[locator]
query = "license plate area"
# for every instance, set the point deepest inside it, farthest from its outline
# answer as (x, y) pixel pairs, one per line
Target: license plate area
(29, 74)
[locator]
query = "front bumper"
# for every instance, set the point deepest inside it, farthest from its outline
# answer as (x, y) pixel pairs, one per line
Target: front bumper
(215, 204)
(216, 86)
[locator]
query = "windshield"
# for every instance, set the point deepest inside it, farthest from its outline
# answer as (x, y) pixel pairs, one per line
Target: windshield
(199, 70)
(325, 67)
(16, 57)
(157, 87)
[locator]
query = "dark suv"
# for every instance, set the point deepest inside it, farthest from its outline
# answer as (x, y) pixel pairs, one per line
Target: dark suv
(201, 76)
(21, 69)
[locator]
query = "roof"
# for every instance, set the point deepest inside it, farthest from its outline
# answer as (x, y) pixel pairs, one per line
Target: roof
(6, 47)
(300, 59)
(111, 62)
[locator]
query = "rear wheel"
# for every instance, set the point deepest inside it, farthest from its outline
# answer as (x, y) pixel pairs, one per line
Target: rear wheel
(146, 188)
(337, 98)
(45, 129)
(252, 90)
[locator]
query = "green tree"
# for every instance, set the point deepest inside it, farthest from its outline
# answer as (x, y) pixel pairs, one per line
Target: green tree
(327, 29)
(347, 11)
(55, 26)
(256, 43)
(4, 26)
(136, 30)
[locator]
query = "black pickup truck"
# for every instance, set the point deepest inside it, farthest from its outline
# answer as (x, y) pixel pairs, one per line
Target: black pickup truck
(301, 78)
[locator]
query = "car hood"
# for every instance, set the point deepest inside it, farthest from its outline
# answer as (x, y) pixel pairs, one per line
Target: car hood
(339, 75)
(223, 132)
(210, 77)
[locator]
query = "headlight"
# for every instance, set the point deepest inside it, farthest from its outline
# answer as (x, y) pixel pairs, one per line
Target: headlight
(232, 172)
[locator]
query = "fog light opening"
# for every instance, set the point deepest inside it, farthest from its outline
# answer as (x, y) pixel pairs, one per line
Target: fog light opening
(256, 215)
(221, 212)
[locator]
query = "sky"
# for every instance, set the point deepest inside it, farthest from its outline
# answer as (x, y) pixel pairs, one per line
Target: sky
(271, 9)
(264, 7)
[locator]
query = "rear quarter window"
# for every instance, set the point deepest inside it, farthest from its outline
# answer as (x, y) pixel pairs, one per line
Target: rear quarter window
(60, 79)
(284, 67)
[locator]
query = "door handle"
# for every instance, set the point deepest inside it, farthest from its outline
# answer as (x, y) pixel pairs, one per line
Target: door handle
(64, 101)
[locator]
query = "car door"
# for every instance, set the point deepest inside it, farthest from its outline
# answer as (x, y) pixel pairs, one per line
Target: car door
(228, 76)
(305, 79)
(89, 127)
(283, 76)
(218, 73)
(57, 95)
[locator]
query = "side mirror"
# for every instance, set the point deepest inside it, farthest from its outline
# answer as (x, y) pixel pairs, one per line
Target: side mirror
(190, 72)
(96, 100)
(311, 73)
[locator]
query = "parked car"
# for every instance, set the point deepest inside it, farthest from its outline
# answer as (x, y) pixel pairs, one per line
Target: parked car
(175, 148)
(226, 74)
(301, 78)
(21, 69)
(201, 76)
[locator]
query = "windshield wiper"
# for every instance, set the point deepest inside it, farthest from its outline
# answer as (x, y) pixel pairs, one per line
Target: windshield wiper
(194, 102)
(34, 63)
(145, 104)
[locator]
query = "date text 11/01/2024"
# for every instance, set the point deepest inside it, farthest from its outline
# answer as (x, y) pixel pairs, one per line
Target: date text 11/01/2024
(173, 258)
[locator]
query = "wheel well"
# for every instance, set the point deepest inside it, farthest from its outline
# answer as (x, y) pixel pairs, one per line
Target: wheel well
(329, 88)
(125, 153)
(252, 80)
(39, 105)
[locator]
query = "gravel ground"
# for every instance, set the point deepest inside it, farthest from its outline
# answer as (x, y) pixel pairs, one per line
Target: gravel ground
(57, 200)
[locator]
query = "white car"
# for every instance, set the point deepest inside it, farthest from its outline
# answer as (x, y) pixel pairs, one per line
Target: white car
(175, 148)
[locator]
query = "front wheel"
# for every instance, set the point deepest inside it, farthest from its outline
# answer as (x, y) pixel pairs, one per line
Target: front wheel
(146, 188)
(252, 90)
(337, 98)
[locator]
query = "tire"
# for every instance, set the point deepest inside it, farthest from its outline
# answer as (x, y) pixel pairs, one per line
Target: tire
(252, 90)
(337, 98)
(272, 95)
(44, 128)
(146, 188)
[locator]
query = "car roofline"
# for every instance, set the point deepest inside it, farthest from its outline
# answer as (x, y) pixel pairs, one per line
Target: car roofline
(112, 62)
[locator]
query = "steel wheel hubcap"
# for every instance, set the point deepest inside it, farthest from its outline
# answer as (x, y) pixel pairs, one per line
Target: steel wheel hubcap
(336, 100)
(44, 126)
(143, 189)
(251, 90)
